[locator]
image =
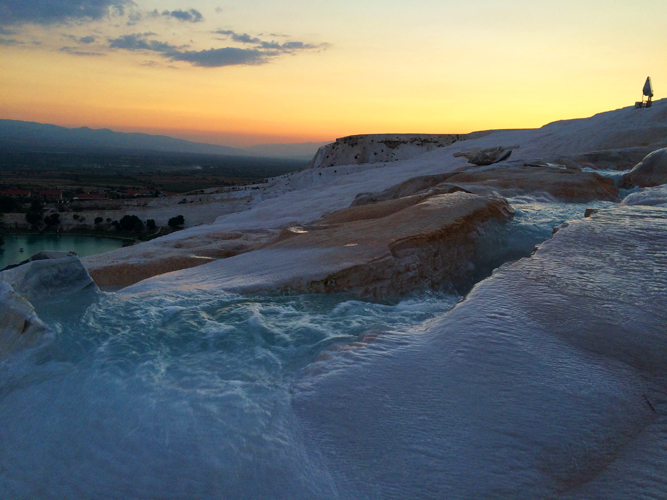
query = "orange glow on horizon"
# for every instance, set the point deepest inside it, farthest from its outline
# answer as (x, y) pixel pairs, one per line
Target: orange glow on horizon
(457, 71)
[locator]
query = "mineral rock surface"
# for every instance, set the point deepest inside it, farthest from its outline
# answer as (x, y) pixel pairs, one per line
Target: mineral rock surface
(651, 171)
(19, 325)
(382, 249)
(49, 278)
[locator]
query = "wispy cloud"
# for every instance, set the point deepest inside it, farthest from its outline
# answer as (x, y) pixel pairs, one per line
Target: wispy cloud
(46, 12)
(138, 41)
(76, 52)
(262, 44)
(216, 58)
(9, 41)
(241, 38)
(191, 15)
(262, 53)
(87, 40)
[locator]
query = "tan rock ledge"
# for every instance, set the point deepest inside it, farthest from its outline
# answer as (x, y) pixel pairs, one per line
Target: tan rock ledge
(384, 249)
(129, 265)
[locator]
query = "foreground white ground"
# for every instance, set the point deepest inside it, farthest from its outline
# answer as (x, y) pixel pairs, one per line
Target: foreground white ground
(548, 381)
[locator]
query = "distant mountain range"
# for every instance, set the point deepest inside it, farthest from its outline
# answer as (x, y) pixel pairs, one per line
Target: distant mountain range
(30, 135)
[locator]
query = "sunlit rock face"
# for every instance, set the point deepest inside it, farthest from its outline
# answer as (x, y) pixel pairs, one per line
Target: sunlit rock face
(548, 381)
(49, 278)
(377, 148)
(129, 265)
(651, 171)
(383, 249)
(19, 325)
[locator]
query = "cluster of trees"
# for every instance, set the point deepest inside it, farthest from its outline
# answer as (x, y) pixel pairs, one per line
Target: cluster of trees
(34, 215)
(128, 223)
(176, 222)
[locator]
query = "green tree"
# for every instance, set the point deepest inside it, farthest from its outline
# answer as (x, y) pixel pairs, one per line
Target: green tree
(52, 220)
(33, 218)
(150, 224)
(98, 220)
(177, 221)
(131, 223)
(36, 206)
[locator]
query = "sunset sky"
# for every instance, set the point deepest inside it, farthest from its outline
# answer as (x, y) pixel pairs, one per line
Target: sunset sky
(268, 71)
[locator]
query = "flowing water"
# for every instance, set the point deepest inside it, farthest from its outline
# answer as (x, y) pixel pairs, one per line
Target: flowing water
(190, 396)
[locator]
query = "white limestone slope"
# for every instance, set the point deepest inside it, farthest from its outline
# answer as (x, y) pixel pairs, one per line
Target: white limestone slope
(377, 148)
(305, 196)
(548, 381)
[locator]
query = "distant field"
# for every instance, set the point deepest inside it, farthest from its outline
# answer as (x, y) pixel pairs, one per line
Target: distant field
(113, 169)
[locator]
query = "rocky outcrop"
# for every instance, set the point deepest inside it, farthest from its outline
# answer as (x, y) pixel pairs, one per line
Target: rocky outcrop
(612, 159)
(48, 277)
(126, 266)
(379, 148)
(382, 249)
(564, 184)
(651, 171)
(487, 156)
(411, 186)
(44, 255)
(651, 197)
(19, 325)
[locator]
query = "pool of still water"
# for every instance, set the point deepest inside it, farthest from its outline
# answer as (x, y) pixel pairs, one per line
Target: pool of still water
(83, 246)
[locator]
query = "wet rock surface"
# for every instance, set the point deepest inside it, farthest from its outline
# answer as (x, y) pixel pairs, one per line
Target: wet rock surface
(126, 266)
(651, 197)
(651, 171)
(551, 373)
(19, 325)
(613, 159)
(383, 249)
(49, 276)
(564, 184)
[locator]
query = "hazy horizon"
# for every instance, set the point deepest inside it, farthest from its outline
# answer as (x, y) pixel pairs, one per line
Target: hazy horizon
(296, 72)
